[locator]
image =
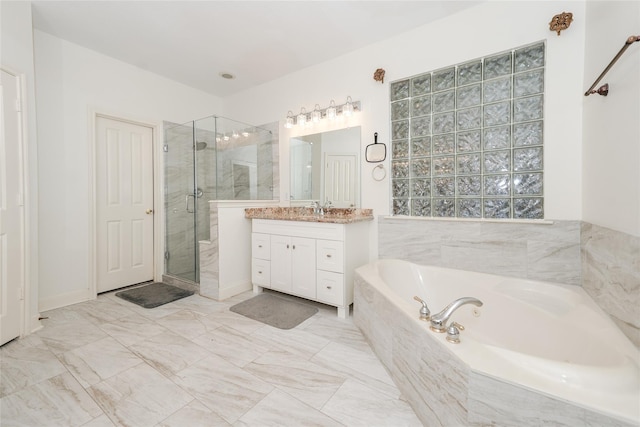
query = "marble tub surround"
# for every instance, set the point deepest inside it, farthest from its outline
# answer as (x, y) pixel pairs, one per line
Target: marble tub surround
(179, 365)
(604, 261)
(332, 215)
(611, 275)
(548, 251)
(444, 390)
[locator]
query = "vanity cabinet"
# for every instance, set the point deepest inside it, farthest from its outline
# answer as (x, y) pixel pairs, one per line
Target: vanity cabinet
(313, 260)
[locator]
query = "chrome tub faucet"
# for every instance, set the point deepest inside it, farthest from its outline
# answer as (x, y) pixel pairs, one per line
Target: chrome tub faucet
(439, 320)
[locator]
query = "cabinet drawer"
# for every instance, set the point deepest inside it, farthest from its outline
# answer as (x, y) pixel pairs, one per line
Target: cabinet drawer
(330, 255)
(261, 272)
(330, 288)
(261, 246)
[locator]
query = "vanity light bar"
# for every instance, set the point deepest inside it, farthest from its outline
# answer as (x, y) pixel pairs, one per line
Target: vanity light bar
(331, 112)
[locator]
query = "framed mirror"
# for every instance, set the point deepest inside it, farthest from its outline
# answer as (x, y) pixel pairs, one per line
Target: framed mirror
(326, 167)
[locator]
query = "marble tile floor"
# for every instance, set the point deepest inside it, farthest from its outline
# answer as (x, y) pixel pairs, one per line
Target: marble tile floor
(108, 362)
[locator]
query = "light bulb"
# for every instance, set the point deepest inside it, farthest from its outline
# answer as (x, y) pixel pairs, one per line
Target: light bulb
(289, 122)
(347, 110)
(225, 137)
(316, 115)
(235, 134)
(331, 110)
(302, 117)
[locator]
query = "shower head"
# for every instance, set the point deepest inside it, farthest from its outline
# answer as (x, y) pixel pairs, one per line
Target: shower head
(201, 145)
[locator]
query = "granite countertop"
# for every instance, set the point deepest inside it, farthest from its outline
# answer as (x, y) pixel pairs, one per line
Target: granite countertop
(332, 215)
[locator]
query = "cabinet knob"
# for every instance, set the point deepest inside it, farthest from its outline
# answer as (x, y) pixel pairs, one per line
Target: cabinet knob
(294, 246)
(328, 255)
(328, 287)
(287, 246)
(259, 272)
(259, 246)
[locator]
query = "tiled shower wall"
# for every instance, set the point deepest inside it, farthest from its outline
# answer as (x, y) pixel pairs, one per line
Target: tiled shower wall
(605, 262)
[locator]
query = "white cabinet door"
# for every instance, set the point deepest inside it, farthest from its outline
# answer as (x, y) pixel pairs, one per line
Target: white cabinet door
(303, 266)
(281, 263)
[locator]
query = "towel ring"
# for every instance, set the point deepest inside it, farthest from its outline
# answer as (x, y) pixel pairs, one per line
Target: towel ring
(379, 172)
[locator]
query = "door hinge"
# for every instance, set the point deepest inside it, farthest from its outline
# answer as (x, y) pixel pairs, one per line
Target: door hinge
(21, 293)
(165, 148)
(166, 255)
(18, 105)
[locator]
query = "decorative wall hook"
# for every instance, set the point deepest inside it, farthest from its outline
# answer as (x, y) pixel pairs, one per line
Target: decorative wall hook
(561, 22)
(379, 75)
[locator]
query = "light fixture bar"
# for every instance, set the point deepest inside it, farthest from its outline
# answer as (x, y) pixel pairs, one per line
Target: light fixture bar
(312, 116)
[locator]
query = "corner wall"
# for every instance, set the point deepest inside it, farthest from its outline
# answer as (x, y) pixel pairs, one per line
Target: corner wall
(610, 170)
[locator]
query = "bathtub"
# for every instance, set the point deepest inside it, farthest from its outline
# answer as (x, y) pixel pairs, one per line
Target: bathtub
(534, 349)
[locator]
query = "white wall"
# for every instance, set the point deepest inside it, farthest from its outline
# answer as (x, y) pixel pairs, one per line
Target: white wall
(72, 80)
(611, 150)
(482, 30)
(16, 52)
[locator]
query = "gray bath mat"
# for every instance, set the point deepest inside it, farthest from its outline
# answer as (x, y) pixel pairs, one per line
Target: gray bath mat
(275, 311)
(154, 294)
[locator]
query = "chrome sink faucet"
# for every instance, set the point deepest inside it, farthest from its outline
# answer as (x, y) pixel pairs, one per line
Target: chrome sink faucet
(317, 209)
(439, 320)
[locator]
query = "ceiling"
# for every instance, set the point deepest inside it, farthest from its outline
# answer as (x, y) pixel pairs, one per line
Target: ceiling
(193, 42)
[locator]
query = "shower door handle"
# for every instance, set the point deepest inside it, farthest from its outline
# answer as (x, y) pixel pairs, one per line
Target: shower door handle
(186, 202)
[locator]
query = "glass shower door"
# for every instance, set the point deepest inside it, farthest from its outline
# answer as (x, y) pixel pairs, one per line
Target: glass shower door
(181, 256)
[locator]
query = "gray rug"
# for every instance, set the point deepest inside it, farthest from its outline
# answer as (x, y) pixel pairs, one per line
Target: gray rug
(276, 311)
(154, 294)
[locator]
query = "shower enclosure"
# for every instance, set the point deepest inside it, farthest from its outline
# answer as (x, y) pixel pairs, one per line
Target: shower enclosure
(213, 158)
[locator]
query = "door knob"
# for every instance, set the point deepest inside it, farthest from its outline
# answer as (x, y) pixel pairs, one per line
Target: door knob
(149, 211)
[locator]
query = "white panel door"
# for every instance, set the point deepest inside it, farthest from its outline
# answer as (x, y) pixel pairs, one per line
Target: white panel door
(340, 186)
(124, 205)
(12, 241)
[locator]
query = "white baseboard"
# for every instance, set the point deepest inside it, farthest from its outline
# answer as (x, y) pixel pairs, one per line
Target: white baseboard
(228, 291)
(63, 300)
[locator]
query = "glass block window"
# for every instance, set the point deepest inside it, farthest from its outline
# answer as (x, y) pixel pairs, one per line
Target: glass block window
(467, 140)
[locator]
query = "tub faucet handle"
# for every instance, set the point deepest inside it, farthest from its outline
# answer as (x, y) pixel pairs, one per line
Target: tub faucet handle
(425, 314)
(453, 332)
